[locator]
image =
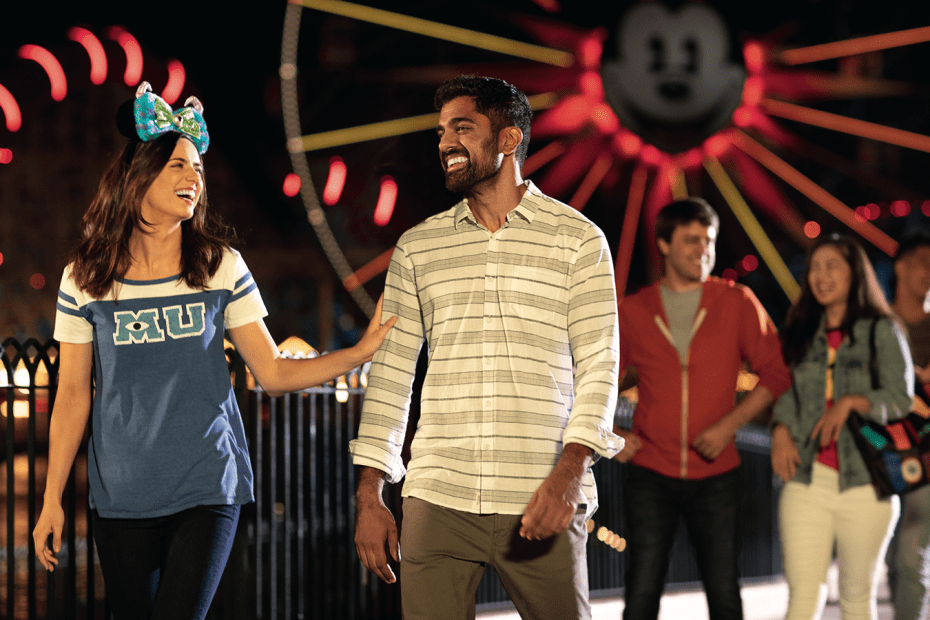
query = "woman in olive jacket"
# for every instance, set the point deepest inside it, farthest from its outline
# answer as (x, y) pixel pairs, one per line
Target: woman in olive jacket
(828, 497)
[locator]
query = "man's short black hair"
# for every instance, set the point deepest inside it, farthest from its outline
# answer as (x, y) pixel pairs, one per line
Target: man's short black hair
(504, 104)
(912, 240)
(683, 212)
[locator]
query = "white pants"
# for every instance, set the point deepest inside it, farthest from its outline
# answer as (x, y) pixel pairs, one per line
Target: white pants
(811, 518)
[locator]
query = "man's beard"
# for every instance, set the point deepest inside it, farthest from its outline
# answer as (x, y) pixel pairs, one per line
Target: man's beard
(461, 181)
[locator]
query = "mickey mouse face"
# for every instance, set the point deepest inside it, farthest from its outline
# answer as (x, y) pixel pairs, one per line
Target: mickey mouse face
(672, 81)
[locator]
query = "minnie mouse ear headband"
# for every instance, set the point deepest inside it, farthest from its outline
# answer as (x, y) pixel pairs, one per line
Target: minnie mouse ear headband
(153, 118)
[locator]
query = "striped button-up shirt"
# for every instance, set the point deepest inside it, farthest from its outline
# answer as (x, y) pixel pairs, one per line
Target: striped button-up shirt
(521, 326)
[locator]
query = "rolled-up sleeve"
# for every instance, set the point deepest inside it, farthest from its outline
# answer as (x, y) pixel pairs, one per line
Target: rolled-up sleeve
(594, 336)
(386, 407)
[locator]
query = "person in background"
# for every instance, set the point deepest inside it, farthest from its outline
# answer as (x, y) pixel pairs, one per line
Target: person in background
(144, 304)
(513, 292)
(909, 551)
(685, 338)
(828, 499)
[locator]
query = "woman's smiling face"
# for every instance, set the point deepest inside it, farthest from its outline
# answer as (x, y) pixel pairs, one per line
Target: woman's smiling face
(174, 193)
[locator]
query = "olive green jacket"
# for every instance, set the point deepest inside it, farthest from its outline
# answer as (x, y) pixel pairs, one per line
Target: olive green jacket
(803, 405)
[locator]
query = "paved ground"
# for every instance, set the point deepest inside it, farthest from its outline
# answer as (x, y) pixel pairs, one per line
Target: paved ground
(761, 601)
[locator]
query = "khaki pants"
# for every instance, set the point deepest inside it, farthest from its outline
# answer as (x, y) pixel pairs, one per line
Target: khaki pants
(811, 518)
(444, 551)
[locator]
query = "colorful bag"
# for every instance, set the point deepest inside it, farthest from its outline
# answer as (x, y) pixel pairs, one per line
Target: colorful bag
(898, 453)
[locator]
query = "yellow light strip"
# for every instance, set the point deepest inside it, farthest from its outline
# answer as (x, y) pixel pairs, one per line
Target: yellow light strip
(387, 129)
(850, 47)
(844, 124)
(676, 179)
(813, 191)
(753, 228)
(436, 30)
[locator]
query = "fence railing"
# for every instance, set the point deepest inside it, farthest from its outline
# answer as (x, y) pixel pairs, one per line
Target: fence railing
(294, 554)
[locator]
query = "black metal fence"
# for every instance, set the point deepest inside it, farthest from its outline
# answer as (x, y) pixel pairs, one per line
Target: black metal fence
(294, 554)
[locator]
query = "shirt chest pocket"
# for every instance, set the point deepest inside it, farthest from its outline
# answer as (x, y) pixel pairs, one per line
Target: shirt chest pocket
(534, 291)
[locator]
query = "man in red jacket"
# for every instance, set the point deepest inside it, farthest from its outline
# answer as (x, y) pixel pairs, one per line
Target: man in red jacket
(685, 338)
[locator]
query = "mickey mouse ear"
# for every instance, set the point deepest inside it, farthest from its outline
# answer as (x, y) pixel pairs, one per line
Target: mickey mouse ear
(125, 121)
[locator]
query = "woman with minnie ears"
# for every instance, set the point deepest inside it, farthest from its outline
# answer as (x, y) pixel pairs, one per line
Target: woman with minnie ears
(144, 302)
(828, 497)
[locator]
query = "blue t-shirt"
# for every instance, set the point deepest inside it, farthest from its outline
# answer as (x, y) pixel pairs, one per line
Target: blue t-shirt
(166, 433)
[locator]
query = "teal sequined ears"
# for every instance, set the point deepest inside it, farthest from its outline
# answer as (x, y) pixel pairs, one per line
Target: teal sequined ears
(154, 117)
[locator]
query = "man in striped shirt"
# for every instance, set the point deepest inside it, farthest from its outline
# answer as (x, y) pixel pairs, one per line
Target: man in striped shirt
(513, 292)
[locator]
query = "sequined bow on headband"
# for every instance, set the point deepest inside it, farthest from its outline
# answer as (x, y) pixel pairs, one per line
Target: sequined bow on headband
(154, 117)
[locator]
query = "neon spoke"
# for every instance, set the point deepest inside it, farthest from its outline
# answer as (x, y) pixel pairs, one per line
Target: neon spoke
(813, 191)
(851, 47)
(634, 205)
(386, 129)
(752, 227)
(844, 124)
(594, 177)
(445, 32)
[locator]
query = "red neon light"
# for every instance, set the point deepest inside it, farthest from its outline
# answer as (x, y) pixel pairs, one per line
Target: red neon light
(729, 274)
(56, 75)
(750, 263)
(754, 55)
(291, 185)
(386, 201)
(629, 143)
(98, 58)
(925, 208)
(133, 52)
(176, 77)
(752, 91)
(590, 52)
(651, 155)
(336, 181)
(812, 230)
(605, 119)
(10, 109)
(37, 281)
(591, 85)
(744, 116)
(900, 208)
(6, 156)
(717, 145)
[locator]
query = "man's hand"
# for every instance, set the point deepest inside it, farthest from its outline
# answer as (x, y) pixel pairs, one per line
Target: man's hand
(785, 457)
(375, 527)
(555, 501)
(631, 444)
(714, 439)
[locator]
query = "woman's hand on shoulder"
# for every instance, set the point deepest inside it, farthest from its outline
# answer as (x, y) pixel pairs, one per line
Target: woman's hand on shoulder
(374, 335)
(785, 457)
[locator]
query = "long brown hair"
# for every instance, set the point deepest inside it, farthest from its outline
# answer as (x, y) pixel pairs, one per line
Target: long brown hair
(102, 257)
(865, 300)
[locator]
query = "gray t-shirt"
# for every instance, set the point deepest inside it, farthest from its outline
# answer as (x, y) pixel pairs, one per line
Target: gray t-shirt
(681, 308)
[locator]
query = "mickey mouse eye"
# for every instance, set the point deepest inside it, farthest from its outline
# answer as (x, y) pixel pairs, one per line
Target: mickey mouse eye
(657, 49)
(692, 54)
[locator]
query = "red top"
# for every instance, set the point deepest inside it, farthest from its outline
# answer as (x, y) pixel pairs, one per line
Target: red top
(828, 455)
(676, 402)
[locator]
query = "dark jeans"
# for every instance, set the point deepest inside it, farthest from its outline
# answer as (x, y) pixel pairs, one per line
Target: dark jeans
(165, 567)
(654, 505)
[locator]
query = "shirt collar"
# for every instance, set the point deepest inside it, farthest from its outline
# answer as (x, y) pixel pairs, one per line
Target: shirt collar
(526, 208)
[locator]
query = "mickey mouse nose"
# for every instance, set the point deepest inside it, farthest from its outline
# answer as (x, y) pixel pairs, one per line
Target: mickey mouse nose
(675, 91)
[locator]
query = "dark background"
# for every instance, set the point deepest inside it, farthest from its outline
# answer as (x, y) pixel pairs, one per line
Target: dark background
(353, 73)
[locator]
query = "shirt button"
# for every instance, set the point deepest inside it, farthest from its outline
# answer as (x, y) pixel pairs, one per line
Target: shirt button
(487, 319)
(487, 361)
(487, 403)
(487, 446)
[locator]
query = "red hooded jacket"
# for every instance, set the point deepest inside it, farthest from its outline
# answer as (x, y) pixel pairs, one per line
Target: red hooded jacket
(678, 401)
